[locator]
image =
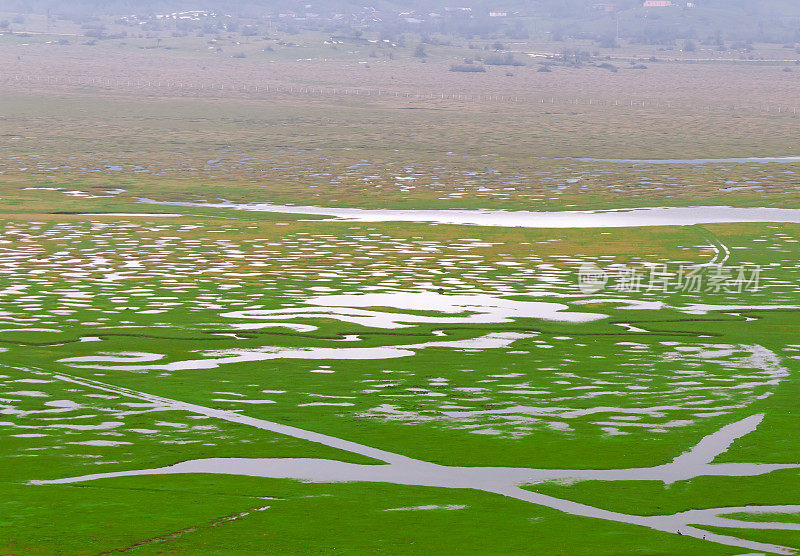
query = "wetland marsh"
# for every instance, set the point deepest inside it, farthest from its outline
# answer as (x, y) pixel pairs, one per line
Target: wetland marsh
(306, 325)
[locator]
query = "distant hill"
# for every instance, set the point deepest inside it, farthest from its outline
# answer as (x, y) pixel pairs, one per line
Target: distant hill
(553, 8)
(749, 20)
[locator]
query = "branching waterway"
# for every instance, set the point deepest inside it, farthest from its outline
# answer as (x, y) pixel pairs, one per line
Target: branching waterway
(506, 481)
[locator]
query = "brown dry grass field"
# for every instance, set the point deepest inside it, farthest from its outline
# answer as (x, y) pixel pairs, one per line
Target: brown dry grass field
(124, 114)
(700, 78)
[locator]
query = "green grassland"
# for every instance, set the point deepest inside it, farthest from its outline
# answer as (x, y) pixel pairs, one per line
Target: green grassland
(182, 514)
(178, 295)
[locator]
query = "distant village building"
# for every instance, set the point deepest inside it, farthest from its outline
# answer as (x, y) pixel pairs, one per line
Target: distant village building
(605, 7)
(466, 11)
(498, 14)
(409, 17)
(657, 3)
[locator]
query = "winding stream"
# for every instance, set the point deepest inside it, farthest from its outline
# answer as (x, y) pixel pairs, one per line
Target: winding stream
(617, 218)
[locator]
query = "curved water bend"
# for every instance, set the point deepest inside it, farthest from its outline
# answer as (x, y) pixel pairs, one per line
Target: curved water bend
(617, 218)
